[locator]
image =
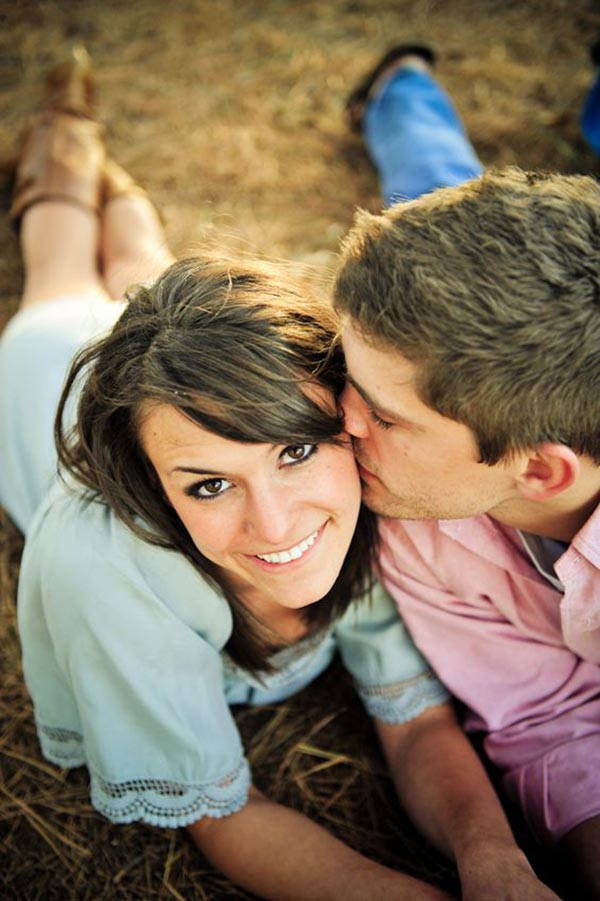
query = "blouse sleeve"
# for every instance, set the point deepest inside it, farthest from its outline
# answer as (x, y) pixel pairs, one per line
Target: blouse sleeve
(391, 676)
(121, 647)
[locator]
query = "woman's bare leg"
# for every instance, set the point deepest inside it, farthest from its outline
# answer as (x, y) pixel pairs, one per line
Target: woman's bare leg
(134, 246)
(60, 246)
(57, 193)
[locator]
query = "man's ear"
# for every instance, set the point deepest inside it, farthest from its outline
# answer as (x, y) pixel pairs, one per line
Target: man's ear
(548, 471)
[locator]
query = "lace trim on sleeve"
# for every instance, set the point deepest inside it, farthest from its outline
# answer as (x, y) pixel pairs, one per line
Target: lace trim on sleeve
(402, 701)
(161, 802)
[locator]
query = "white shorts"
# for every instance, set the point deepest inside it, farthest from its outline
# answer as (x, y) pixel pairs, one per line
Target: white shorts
(36, 349)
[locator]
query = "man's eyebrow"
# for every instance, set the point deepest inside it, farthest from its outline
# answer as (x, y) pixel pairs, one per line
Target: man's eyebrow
(381, 411)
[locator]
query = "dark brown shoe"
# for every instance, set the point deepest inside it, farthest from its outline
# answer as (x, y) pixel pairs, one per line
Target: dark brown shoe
(357, 100)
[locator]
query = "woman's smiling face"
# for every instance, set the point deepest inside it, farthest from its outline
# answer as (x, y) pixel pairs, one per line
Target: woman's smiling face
(277, 519)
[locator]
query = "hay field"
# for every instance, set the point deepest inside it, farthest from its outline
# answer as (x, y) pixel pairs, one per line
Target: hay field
(230, 113)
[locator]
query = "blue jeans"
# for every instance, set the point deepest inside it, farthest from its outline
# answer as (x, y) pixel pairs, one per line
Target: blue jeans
(416, 139)
(590, 118)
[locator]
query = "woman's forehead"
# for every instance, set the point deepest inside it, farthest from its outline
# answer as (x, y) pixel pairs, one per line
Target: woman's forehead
(175, 443)
(257, 420)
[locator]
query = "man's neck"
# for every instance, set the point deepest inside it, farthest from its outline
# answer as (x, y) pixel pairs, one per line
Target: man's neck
(547, 524)
(560, 517)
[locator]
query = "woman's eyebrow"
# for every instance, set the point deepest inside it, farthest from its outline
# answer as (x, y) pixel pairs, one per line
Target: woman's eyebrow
(197, 471)
(200, 471)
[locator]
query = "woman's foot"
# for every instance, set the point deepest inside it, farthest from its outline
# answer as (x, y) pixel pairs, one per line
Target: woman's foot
(58, 189)
(415, 56)
(63, 153)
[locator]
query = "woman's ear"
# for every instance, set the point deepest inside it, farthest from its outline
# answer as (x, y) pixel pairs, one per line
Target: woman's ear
(548, 471)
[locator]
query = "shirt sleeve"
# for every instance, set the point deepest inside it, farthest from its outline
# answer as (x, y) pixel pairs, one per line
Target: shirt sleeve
(391, 676)
(123, 677)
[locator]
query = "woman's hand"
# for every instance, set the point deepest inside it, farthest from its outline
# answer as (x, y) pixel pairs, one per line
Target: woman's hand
(443, 786)
(500, 874)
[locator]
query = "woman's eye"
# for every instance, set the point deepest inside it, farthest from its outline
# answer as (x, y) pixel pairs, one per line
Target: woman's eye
(208, 488)
(297, 453)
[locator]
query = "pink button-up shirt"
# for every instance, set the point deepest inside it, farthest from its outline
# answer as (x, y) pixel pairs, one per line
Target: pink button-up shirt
(520, 655)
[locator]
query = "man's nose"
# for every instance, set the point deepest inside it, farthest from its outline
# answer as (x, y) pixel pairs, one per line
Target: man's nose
(355, 412)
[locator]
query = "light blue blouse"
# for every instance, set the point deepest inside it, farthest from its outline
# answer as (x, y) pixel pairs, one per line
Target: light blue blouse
(123, 651)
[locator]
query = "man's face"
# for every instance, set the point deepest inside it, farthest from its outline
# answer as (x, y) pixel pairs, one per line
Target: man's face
(414, 463)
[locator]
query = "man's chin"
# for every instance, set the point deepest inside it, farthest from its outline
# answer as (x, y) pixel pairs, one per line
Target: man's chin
(388, 506)
(380, 503)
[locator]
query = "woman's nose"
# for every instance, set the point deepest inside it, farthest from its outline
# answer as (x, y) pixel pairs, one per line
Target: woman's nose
(273, 516)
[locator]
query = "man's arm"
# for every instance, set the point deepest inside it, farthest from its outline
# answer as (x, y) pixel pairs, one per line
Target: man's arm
(278, 853)
(447, 793)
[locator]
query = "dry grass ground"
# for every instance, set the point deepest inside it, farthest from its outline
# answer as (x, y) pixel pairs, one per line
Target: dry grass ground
(231, 114)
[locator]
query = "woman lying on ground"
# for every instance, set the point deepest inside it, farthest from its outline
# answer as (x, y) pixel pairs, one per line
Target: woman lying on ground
(206, 544)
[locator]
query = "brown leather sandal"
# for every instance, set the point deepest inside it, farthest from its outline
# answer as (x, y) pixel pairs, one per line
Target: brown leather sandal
(61, 159)
(63, 156)
(63, 151)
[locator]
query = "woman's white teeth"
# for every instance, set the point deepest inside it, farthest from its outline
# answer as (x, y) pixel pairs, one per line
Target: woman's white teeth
(292, 553)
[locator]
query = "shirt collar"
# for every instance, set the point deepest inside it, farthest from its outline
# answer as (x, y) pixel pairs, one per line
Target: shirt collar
(499, 544)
